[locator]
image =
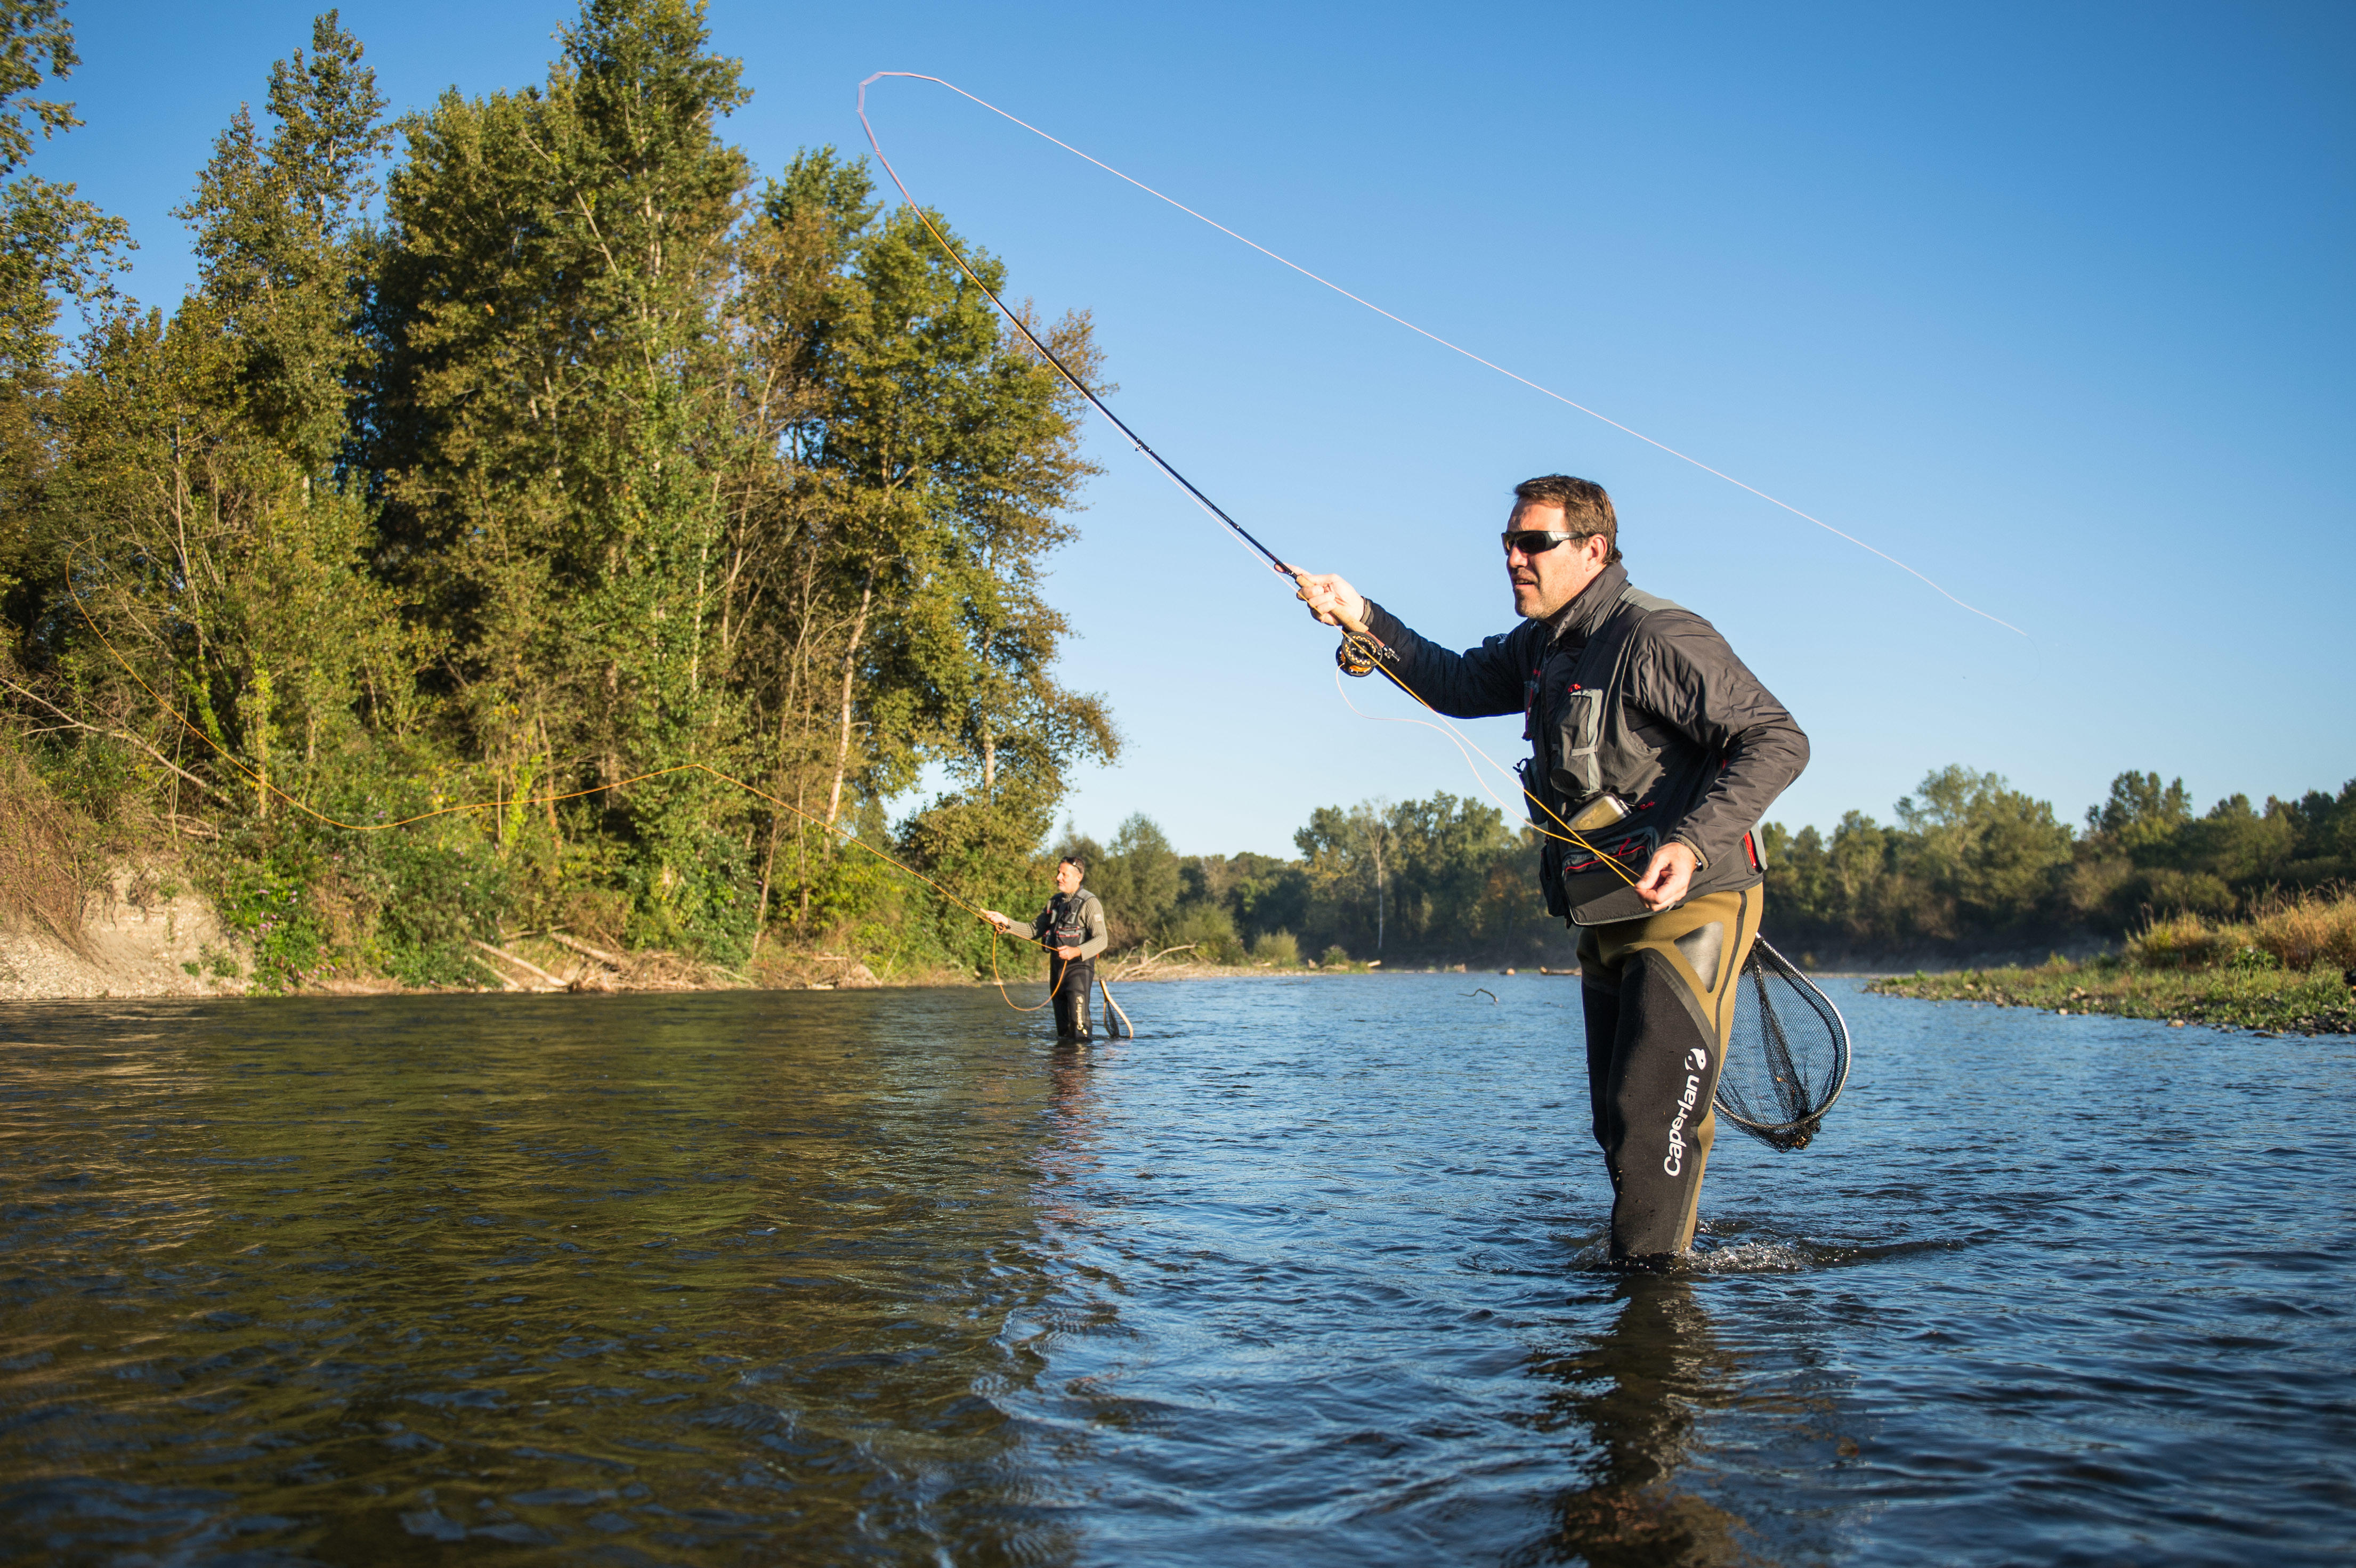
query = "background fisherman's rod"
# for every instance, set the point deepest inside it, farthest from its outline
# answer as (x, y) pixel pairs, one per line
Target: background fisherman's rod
(1355, 299)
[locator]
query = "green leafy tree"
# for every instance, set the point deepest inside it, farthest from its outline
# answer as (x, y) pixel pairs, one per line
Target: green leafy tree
(1137, 879)
(55, 249)
(949, 456)
(552, 430)
(590, 462)
(2140, 812)
(200, 506)
(1992, 850)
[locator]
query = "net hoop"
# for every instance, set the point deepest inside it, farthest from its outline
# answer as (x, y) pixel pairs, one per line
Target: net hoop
(1795, 1133)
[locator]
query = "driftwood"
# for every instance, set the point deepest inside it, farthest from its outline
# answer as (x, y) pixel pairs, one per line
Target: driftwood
(526, 965)
(609, 960)
(1140, 965)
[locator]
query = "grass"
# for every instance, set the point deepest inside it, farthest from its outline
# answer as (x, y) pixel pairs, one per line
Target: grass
(2287, 968)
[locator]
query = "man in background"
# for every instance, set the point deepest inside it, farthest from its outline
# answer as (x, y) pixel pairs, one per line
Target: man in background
(1072, 928)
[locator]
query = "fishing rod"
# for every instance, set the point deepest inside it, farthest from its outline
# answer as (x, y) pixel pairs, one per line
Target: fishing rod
(1355, 299)
(1366, 649)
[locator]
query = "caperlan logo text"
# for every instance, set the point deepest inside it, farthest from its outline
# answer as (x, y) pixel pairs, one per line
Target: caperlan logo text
(1674, 1164)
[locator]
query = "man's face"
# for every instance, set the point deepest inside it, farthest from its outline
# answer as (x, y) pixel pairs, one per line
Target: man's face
(1544, 583)
(1068, 877)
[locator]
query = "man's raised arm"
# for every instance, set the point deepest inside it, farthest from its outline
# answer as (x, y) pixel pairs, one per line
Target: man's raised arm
(1476, 684)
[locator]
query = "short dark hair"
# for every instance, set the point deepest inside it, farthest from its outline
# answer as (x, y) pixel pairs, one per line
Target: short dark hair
(1079, 861)
(1586, 509)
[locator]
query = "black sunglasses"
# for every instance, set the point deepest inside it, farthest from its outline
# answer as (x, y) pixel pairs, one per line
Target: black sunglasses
(1537, 541)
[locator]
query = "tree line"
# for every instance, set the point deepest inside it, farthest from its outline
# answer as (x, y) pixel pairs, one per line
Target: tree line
(1968, 859)
(516, 450)
(522, 448)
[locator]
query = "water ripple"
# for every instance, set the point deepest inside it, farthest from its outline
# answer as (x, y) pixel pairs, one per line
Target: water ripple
(1312, 1272)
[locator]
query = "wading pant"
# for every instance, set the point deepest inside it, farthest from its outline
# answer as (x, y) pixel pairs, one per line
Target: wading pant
(1073, 981)
(1660, 1004)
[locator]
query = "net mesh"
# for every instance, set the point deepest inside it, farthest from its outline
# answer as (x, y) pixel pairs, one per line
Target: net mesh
(1789, 1054)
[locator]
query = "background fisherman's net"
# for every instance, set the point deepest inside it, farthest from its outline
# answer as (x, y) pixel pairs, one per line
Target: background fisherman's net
(1789, 1054)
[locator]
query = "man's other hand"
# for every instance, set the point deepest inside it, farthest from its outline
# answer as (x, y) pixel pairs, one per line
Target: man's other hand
(1668, 876)
(1329, 598)
(1068, 954)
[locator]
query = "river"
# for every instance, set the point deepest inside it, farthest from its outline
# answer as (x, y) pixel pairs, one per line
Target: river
(1310, 1273)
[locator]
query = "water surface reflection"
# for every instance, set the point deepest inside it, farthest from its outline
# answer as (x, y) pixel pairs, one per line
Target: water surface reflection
(1310, 1273)
(1634, 1392)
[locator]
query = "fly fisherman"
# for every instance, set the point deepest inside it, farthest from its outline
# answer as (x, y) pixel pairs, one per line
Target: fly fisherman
(1072, 928)
(1653, 753)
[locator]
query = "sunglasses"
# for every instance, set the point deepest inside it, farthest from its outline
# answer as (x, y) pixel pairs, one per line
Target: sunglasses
(1537, 541)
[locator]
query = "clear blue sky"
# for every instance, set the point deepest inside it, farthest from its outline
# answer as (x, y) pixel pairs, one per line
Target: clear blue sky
(2051, 302)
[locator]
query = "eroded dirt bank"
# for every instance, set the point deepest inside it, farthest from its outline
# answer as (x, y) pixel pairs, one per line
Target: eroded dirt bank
(139, 937)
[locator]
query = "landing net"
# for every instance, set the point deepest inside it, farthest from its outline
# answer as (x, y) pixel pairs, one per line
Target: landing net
(1789, 1054)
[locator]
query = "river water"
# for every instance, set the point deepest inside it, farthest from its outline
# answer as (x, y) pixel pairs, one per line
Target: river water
(1310, 1273)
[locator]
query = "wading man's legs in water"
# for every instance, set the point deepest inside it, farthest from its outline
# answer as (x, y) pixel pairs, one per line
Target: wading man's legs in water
(1659, 993)
(1073, 981)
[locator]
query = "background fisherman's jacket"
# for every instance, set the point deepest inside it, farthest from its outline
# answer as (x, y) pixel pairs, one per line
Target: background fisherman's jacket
(1632, 694)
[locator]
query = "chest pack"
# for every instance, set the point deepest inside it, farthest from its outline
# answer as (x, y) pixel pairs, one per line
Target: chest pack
(1585, 741)
(1068, 922)
(1579, 713)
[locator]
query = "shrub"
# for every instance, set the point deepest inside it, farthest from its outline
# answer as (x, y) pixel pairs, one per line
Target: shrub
(48, 864)
(2306, 929)
(1208, 929)
(434, 900)
(268, 902)
(2179, 941)
(2190, 893)
(1337, 957)
(2300, 931)
(1277, 947)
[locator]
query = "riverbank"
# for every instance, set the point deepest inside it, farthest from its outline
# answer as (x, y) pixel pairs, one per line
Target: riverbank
(2289, 967)
(2269, 1001)
(142, 936)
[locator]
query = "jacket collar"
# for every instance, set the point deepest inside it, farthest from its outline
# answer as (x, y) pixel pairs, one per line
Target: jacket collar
(1577, 621)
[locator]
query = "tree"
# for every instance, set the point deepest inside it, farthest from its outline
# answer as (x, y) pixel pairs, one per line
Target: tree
(200, 505)
(948, 453)
(55, 249)
(553, 436)
(2139, 813)
(590, 462)
(1349, 854)
(1992, 849)
(1138, 879)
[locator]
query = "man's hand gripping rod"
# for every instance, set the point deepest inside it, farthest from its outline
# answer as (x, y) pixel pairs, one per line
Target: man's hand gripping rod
(1325, 596)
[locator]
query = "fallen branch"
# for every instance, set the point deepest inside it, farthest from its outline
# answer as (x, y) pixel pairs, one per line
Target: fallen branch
(582, 948)
(1140, 965)
(160, 759)
(523, 964)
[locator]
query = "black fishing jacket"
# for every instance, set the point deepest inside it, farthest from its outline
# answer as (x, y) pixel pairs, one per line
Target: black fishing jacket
(1621, 691)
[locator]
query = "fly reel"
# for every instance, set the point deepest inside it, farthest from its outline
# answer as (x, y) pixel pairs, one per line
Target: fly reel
(1359, 654)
